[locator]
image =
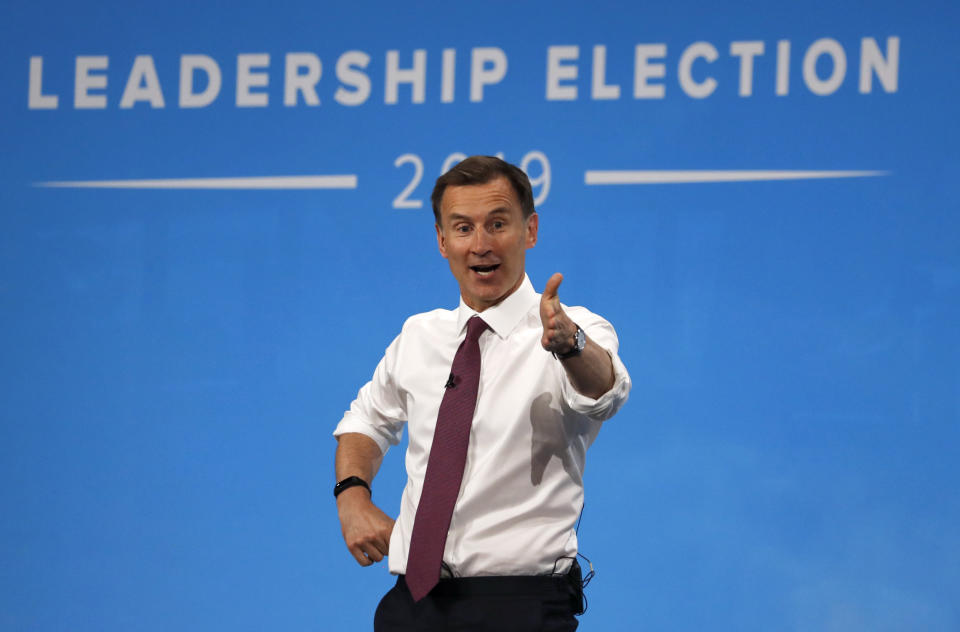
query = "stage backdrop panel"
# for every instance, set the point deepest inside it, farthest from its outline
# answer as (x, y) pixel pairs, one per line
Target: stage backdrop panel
(214, 217)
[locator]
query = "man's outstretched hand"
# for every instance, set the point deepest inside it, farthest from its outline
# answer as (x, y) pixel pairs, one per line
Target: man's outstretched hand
(590, 373)
(559, 331)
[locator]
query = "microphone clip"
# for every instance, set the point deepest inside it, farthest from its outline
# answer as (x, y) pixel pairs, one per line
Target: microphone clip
(451, 381)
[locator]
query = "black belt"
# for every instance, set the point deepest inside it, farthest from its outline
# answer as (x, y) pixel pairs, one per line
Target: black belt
(545, 585)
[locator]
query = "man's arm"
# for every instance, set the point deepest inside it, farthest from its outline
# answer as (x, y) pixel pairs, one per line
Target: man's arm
(591, 373)
(366, 529)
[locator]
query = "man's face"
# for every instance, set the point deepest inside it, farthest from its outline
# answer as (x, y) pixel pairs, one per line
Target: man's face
(484, 237)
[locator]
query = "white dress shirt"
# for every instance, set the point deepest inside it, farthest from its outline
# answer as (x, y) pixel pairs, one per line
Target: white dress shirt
(522, 488)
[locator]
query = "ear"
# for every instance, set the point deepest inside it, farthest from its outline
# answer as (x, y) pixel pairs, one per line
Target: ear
(441, 243)
(533, 222)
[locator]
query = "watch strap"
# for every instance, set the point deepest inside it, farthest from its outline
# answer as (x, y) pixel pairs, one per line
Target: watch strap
(347, 483)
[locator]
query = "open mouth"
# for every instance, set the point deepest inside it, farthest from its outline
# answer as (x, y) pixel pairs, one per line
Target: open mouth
(485, 270)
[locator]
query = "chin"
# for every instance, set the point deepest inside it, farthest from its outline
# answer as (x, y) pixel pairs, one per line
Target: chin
(484, 298)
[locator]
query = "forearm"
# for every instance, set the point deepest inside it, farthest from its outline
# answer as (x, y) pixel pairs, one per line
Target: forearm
(357, 455)
(591, 373)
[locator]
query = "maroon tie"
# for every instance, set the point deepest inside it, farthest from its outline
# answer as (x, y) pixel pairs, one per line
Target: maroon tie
(448, 455)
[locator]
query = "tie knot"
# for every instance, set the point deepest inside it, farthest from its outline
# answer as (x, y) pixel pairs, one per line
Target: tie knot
(475, 327)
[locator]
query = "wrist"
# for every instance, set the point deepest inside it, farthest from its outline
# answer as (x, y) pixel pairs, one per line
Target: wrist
(353, 498)
(578, 343)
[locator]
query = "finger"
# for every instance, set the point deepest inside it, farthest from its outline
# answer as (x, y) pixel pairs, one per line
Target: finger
(550, 291)
(382, 546)
(385, 540)
(358, 555)
(373, 553)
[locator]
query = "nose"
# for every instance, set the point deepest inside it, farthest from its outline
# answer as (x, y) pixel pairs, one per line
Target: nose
(481, 242)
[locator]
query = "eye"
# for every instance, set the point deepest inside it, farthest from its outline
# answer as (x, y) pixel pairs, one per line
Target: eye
(462, 228)
(499, 224)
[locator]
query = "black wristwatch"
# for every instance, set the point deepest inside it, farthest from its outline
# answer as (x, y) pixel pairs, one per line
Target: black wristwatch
(579, 342)
(347, 483)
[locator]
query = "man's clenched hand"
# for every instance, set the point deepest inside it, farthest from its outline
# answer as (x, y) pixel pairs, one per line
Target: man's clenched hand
(366, 529)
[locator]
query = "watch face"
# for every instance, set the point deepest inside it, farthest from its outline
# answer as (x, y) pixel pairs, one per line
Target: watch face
(579, 342)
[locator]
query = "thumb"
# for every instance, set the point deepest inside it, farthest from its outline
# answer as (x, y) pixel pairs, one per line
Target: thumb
(550, 291)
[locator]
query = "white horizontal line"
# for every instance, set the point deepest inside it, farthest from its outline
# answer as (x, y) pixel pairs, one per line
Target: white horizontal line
(684, 177)
(260, 182)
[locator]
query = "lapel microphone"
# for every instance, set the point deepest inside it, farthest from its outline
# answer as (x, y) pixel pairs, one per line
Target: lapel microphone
(451, 381)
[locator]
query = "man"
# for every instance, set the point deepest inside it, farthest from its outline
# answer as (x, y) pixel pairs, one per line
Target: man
(502, 397)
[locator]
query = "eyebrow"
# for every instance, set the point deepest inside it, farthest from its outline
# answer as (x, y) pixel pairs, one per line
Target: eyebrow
(500, 210)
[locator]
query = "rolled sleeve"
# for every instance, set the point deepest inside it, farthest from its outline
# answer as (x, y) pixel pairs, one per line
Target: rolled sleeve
(378, 411)
(607, 405)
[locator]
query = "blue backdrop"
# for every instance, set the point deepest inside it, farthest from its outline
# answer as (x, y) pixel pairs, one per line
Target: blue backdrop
(778, 251)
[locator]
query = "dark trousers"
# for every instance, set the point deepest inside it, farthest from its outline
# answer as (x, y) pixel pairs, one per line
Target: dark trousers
(477, 604)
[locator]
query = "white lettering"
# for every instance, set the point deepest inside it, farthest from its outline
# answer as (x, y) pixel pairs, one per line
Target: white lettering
(188, 65)
(871, 60)
(306, 83)
(482, 75)
(694, 51)
(557, 70)
(746, 51)
(84, 82)
(416, 76)
(644, 70)
(142, 84)
(783, 67)
(201, 79)
(824, 46)
(448, 75)
(349, 75)
(36, 99)
(247, 79)
(600, 89)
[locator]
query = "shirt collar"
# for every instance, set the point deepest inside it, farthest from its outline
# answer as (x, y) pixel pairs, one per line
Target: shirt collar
(505, 315)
